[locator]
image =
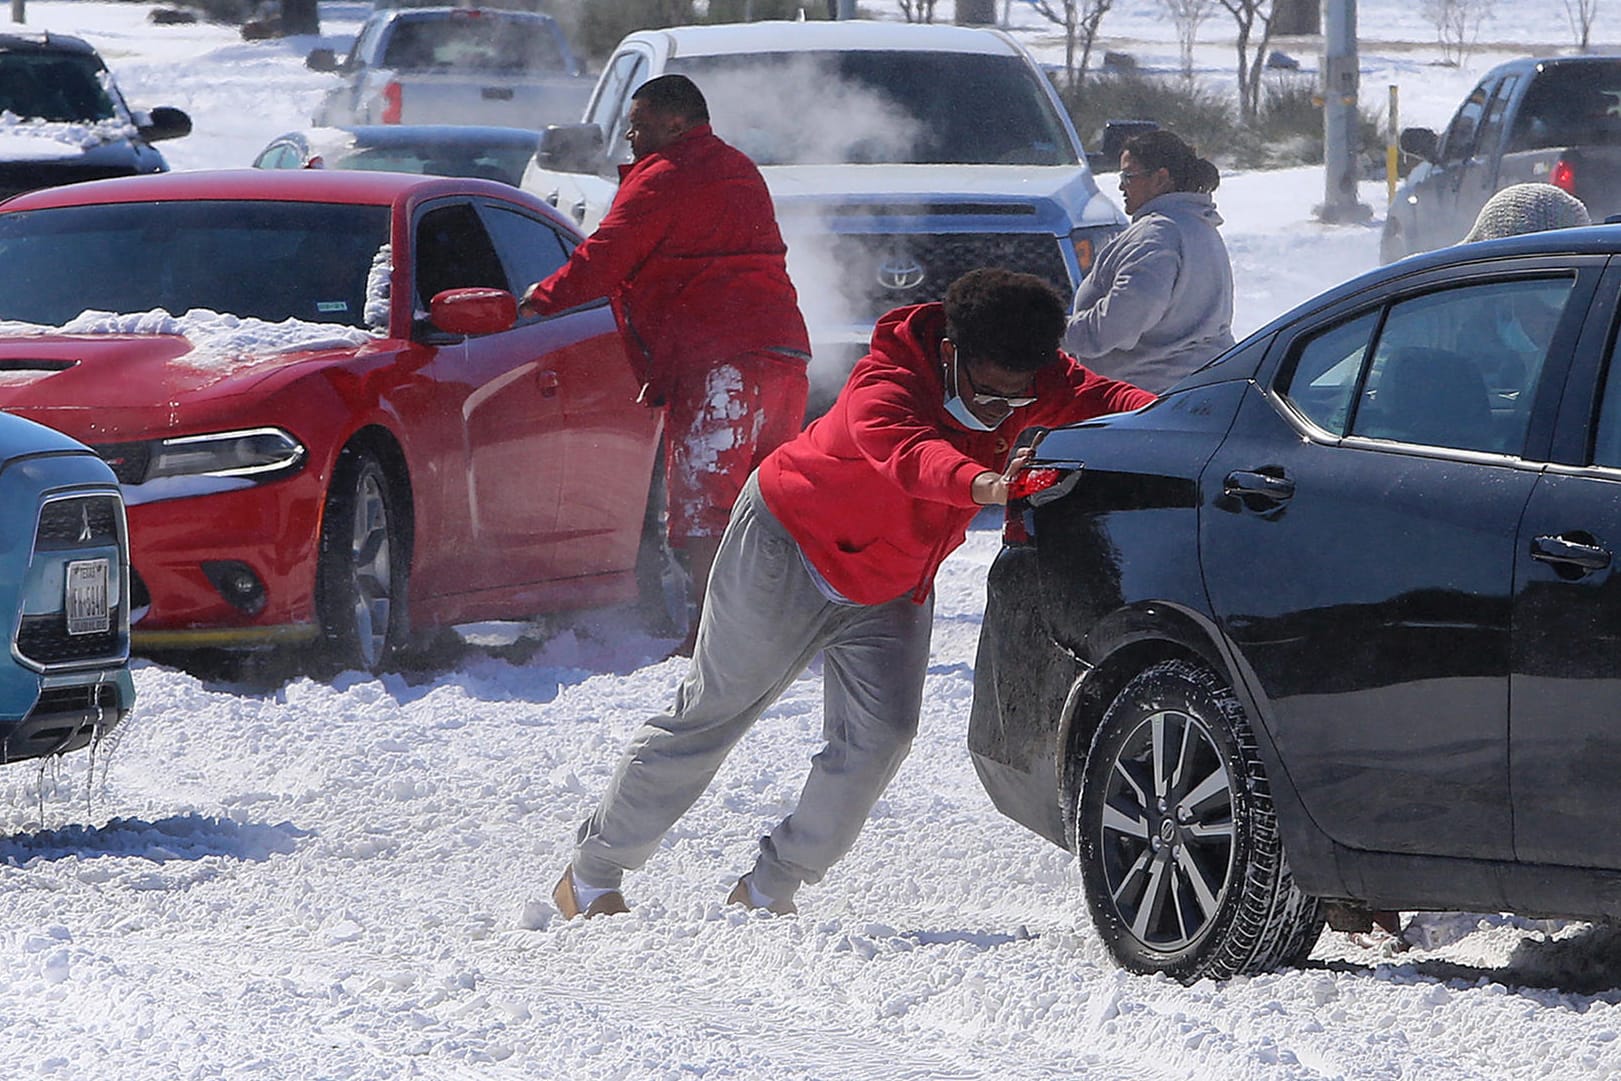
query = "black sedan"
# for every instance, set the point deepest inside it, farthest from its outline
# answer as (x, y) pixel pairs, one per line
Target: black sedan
(1333, 626)
(467, 150)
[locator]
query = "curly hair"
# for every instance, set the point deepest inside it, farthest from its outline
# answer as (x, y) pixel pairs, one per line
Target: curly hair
(1162, 149)
(1005, 318)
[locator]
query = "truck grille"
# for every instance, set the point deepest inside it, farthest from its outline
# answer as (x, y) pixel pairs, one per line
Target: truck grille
(89, 522)
(45, 640)
(881, 271)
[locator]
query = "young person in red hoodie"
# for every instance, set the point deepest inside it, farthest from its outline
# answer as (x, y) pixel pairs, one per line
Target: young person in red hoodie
(832, 548)
(697, 269)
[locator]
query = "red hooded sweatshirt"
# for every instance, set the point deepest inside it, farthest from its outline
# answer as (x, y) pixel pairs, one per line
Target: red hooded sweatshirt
(879, 490)
(692, 257)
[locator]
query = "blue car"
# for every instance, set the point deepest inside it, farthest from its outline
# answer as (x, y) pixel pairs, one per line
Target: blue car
(64, 589)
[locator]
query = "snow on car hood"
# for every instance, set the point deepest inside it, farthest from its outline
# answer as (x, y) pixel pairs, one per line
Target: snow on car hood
(103, 374)
(23, 139)
(219, 342)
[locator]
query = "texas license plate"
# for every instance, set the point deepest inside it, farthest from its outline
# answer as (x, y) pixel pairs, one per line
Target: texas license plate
(87, 606)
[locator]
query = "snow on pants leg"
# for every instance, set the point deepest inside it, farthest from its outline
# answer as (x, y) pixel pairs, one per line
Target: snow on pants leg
(718, 426)
(763, 622)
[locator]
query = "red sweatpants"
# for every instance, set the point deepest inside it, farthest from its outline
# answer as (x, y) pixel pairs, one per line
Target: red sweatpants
(718, 425)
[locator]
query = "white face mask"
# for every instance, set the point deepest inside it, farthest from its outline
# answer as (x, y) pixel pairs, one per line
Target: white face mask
(959, 408)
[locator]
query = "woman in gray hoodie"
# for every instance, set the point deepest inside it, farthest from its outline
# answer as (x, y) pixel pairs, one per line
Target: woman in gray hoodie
(1158, 302)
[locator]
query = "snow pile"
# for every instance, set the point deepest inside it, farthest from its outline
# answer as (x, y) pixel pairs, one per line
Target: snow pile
(217, 340)
(26, 139)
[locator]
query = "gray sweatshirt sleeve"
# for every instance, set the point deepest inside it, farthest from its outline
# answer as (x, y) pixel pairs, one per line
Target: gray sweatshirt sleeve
(1112, 314)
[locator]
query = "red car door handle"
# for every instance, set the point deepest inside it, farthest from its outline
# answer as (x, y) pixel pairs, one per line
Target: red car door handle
(548, 383)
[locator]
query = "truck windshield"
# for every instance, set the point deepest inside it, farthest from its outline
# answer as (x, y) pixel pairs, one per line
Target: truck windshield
(474, 40)
(1568, 104)
(53, 86)
(270, 260)
(822, 108)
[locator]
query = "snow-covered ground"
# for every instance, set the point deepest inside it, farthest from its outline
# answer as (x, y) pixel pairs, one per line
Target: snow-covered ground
(351, 880)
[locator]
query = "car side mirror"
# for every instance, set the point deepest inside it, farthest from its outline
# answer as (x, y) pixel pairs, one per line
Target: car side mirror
(165, 122)
(1106, 158)
(1420, 142)
(321, 60)
(473, 312)
(570, 148)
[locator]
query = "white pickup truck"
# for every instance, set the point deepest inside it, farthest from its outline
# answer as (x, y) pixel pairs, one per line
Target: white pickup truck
(899, 156)
(454, 65)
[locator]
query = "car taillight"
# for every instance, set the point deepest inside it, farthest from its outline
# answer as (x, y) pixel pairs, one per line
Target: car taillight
(393, 102)
(1563, 175)
(1029, 488)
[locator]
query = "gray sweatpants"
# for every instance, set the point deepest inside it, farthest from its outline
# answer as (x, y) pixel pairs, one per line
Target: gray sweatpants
(763, 621)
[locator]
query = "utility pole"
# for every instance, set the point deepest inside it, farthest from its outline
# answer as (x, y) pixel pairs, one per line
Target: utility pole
(1339, 90)
(17, 12)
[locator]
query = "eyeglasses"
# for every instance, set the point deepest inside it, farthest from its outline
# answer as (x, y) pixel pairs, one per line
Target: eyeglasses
(1138, 173)
(1006, 401)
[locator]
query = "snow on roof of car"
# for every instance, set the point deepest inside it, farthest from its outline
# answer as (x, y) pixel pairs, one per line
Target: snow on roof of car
(840, 35)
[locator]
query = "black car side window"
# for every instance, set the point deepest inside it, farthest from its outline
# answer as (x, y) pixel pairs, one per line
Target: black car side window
(529, 249)
(1607, 439)
(454, 252)
(1459, 141)
(1458, 368)
(1323, 381)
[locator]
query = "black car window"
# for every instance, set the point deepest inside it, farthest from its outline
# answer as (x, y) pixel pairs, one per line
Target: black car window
(262, 259)
(1322, 384)
(1607, 439)
(529, 249)
(454, 252)
(1570, 103)
(53, 86)
(1457, 368)
(1459, 141)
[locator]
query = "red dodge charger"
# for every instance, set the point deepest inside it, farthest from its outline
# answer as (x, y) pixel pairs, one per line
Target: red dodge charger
(328, 421)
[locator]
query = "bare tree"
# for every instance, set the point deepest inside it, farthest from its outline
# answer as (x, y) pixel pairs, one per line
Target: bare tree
(1080, 19)
(1457, 24)
(1581, 14)
(1186, 15)
(918, 11)
(1254, 19)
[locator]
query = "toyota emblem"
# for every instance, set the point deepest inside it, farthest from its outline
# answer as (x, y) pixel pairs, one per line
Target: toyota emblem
(900, 273)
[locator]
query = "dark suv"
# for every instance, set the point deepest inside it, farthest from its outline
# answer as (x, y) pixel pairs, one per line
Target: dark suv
(56, 92)
(1337, 619)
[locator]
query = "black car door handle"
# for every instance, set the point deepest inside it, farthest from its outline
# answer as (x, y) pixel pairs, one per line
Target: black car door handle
(1242, 482)
(1560, 550)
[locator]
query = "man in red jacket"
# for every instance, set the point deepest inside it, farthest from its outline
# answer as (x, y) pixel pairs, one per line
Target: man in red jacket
(692, 258)
(833, 548)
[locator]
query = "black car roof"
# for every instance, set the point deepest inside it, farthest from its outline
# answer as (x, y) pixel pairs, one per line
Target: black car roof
(45, 42)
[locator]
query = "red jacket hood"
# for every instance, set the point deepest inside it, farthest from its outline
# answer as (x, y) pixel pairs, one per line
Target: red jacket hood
(879, 490)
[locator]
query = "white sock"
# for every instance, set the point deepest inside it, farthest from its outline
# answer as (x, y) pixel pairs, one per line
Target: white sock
(586, 894)
(756, 898)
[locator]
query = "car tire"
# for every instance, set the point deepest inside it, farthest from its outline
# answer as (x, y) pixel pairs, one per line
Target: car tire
(1180, 853)
(364, 565)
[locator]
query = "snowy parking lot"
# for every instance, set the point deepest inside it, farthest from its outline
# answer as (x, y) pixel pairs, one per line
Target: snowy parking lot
(351, 879)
